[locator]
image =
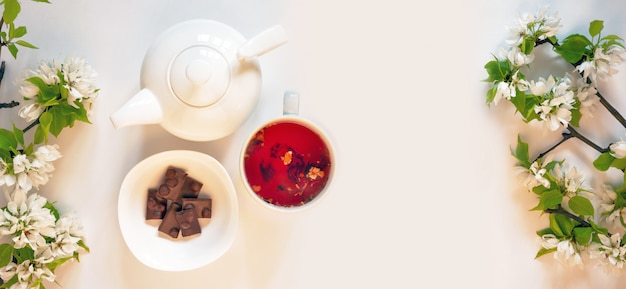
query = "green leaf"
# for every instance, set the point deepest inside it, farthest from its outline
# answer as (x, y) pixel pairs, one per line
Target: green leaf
(521, 152)
(545, 231)
(6, 254)
(25, 253)
(25, 44)
(619, 164)
(58, 262)
(620, 202)
(19, 135)
(549, 199)
(53, 210)
(7, 139)
(528, 45)
(19, 32)
(525, 105)
(11, 30)
(11, 10)
(576, 116)
(42, 1)
(612, 38)
(540, 189)
(59, 119)
(491, 94)
(13, 49)
(544, 251)
(10, 282)
(604, 161)
(597, 228)
(46, 91)
(582, 235)
(561, 225)
(82, 245)
(595, 27)
(581, 206)
(573, 47)
(43, 129)
(498, 70)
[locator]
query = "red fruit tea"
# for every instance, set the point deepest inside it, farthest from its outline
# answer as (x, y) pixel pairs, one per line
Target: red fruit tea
(287, 164)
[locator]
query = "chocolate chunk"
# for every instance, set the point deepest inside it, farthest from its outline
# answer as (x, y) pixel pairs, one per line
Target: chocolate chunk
(172, 185)
(188, 222)
(201, 206)
(191, 188)
(155, 207)
(170, 225)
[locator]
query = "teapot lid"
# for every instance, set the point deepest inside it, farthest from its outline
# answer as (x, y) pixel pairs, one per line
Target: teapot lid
(205, 91)
(199, 76)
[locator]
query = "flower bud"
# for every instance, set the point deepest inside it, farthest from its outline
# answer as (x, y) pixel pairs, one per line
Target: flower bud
(618, 149)
(30, 112)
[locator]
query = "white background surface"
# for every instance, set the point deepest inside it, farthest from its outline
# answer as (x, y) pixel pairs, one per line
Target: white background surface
(425, 195)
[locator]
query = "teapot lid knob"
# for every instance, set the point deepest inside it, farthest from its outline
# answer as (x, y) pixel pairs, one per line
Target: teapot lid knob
(198, 71)
(199, 76)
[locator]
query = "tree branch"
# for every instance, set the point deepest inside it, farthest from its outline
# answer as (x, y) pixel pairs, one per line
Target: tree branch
(563, 212)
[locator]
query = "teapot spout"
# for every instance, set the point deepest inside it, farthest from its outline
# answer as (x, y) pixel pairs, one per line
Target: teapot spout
(143, 108)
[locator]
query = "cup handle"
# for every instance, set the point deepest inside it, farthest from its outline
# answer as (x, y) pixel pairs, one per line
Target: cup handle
(291, 103)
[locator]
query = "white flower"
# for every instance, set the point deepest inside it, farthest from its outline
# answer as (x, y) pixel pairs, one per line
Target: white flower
(47, 153)
(6, 179)
(541, 26)
(27, 89)
(28, 273)
(518, 82)
(603, 63)
(503, 91)
(27, 221)
(68, 233)
(29, 173)
(516, 34)
(535, 174)
(33, 171)
(542, 86)
(80, 80)
(31, 111)
(606, 205)
(584, 92)
(566, 250)
(610, 252)
(550, 24)
(7, 272)
(570, 179)
(555, 110)
(518, 58)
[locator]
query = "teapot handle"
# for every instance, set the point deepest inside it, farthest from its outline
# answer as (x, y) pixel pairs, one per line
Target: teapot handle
(263, 42)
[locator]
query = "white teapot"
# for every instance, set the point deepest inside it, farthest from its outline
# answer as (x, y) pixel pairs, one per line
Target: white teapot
(200, 80)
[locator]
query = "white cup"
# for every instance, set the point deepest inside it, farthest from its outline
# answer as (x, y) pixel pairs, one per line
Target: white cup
(287, 163)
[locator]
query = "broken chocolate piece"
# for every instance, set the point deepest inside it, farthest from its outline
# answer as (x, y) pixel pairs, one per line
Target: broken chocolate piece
(172, 185)
(170, 225)
(155, 207)
(201, 206)
(191, 188)
(188, 222)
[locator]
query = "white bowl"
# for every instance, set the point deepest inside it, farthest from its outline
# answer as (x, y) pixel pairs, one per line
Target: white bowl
(159, 251)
